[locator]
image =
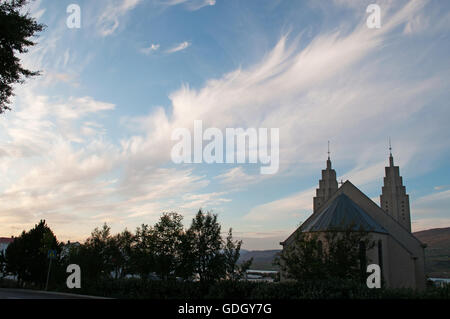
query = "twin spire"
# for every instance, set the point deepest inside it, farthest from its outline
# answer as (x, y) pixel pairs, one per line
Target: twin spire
(393, 200)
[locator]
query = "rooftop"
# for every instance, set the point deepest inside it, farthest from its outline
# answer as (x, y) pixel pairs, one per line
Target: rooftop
(342, 214)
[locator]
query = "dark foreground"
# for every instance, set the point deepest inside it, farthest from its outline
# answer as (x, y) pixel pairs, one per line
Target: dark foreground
(34, 294)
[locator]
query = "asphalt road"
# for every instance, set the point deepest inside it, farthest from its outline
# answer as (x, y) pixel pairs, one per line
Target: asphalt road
(31, 294)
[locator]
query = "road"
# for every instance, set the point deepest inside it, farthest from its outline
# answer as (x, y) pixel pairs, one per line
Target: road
(31, 294)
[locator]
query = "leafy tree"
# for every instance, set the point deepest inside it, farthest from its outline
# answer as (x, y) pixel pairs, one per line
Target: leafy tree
(335, 254)
(206, 245)
(142, 256)
(186, 266)
(346, 254)
(232, 252)
(95, 256)
(26, 257)
(2, 265)
(16, 29)
(303, 260)
(167, 239)
(121, 247)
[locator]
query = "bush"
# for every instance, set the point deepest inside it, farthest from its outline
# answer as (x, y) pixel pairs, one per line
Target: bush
(134, 288)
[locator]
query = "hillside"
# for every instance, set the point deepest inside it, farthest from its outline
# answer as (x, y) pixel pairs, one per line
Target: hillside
(437, 253)
(262, 259)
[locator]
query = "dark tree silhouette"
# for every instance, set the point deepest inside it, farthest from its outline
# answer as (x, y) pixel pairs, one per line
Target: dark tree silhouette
(232, 252)
(16, 29)
(26, 257)
(335, 254)
(167, 236)
(206, 246)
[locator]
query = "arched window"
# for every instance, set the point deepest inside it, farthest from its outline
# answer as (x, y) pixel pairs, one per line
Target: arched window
(362, 260)
(320, 248)
(380, 255)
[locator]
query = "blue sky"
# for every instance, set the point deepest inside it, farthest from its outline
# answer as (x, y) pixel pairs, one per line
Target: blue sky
(89, 141)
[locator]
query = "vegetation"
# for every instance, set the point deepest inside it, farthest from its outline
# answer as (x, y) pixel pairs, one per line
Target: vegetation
(26, 257)
(335, 255)
(16, 29)
(437, 262)
(164, 252)
(166, 261)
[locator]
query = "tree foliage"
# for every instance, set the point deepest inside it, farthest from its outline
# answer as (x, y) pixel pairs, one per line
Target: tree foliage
(165, 251)
(326, 256)
(16, 30)
(206, 245)
(27, 256)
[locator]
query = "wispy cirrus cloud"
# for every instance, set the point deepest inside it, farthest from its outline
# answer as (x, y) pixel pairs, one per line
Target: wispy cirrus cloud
(60, 161)
(179, 47)
(192, 5)
(152, 48)
(108, 21)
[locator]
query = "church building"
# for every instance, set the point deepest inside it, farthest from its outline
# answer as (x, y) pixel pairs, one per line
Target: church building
(397, 251)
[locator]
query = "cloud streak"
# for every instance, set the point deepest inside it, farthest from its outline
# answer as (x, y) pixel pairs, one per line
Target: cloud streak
(179, 47)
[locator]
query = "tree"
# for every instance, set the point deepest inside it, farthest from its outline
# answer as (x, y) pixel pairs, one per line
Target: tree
(206, 245)
(26, 257)
(2, 264)
(121, 247)
(335, 254)
(232, 252)
(303, 259)
(142, 256)
(167, 238)
(16, 29)
(95, 256)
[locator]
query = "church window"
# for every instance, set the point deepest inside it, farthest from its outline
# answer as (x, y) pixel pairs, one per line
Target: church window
(380, 256)
(362, 259)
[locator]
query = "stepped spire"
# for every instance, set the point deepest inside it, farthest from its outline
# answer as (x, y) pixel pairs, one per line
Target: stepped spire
(391, 159)
(327, 185)
(394, 200)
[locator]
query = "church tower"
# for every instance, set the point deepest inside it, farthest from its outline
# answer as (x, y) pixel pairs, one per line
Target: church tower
(327, 185)
(394, 200)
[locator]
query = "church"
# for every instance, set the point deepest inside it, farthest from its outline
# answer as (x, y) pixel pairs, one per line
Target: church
(397, 251)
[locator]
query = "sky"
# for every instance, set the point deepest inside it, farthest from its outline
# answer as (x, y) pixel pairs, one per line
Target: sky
(89, 141)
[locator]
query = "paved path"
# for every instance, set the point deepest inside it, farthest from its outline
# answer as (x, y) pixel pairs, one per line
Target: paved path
(34, 294)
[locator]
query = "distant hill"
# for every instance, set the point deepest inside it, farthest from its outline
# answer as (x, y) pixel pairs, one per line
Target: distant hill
(437, 253)
(262, 259)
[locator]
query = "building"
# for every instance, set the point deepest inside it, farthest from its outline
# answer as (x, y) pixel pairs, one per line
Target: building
(397, 251)
(4, 243)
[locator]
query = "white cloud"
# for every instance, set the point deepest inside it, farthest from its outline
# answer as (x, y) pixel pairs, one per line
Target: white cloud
(108, 21)
(429, 223)
(179, 47)
(192, 5)
(238, 177)
(56, 163)
(152, 48)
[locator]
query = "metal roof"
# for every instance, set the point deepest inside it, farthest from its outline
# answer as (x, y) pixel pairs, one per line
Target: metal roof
(342, 214)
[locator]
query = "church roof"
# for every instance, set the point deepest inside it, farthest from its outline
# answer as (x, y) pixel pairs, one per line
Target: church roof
(341, 214)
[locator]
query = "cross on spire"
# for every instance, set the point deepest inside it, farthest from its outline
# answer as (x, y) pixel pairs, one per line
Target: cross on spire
(390, 146)
(328, 149)
(391, 158)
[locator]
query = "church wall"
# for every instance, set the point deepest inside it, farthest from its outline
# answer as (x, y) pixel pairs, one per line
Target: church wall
(402, 267)
(373, 258)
